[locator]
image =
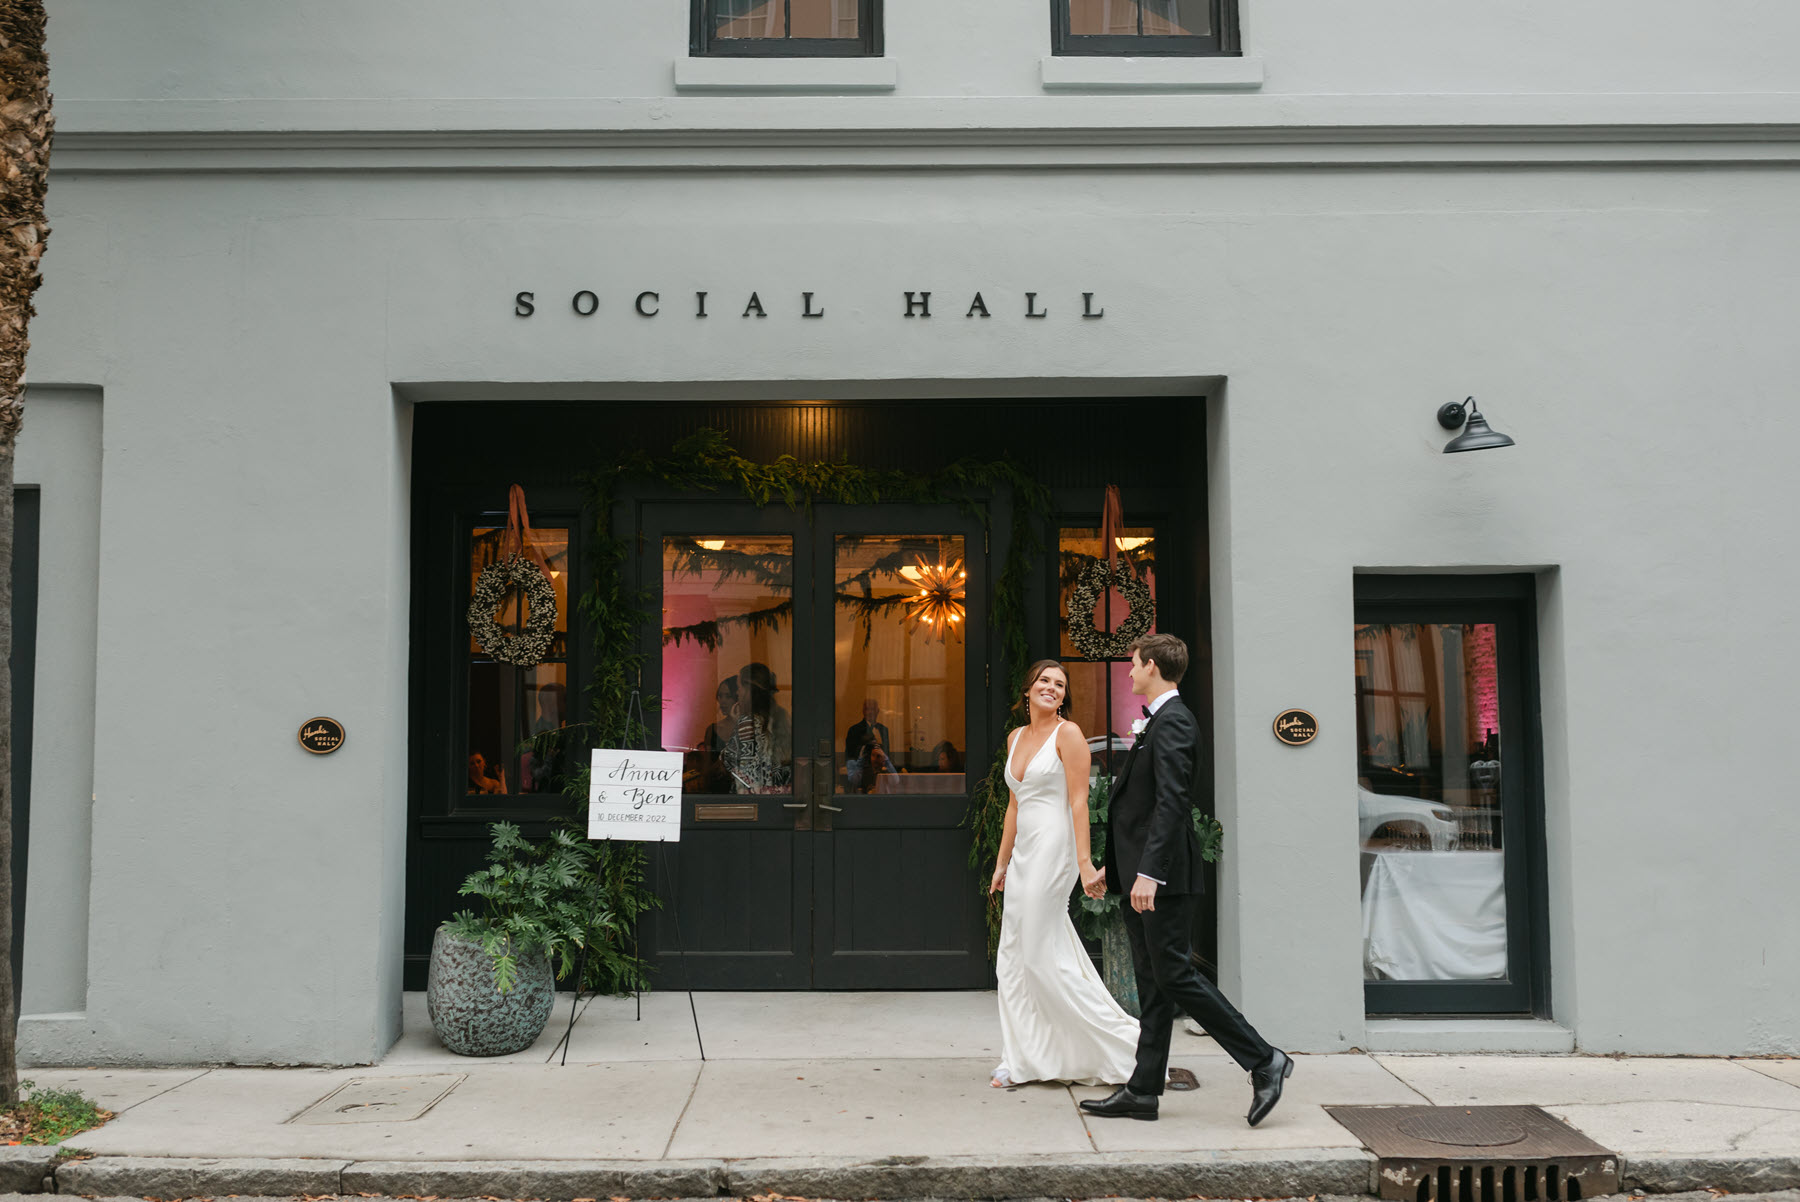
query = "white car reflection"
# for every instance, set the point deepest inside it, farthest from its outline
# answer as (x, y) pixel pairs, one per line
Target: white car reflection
(1438, 821)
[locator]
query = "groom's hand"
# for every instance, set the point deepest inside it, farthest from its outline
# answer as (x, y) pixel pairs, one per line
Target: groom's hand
(1143, 894)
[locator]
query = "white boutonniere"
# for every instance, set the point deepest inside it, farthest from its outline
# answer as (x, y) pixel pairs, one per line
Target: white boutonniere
(1137, 726)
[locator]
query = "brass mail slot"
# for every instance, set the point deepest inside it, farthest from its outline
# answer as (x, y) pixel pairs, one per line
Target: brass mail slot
(730, 811)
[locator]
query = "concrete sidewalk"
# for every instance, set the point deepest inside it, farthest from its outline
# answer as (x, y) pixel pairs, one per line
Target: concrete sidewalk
(861, 1095)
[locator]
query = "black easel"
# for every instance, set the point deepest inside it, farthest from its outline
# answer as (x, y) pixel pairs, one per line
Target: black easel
(634, 720)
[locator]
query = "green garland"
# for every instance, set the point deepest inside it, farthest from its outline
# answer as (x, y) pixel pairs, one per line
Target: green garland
(707, 462)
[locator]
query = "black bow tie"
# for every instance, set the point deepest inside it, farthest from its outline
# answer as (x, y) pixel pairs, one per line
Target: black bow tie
(1146, 711)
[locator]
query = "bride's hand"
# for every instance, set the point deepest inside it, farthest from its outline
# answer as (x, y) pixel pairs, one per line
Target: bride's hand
(998, 884)
(1093, 881)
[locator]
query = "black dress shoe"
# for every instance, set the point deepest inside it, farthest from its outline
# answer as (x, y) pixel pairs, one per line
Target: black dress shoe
(1266, 1083)
(1121, 1104)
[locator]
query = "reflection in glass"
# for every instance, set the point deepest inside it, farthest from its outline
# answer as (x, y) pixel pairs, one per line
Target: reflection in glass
(1141, 18)
(1428, 801)
(727, 661)
(900, 611)
(785, 19)
(508, 705)
(1105, 706)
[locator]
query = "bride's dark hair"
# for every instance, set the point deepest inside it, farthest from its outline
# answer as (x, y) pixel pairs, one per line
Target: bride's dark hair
(1022, 707)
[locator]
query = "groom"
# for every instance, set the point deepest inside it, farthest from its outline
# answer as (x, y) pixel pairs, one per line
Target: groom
(1155, 856)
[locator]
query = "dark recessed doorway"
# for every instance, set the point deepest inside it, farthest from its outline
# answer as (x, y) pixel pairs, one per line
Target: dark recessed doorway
(835, 858)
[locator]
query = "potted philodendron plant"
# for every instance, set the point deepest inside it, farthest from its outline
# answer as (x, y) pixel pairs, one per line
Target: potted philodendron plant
(493, 974)
(1103, 919)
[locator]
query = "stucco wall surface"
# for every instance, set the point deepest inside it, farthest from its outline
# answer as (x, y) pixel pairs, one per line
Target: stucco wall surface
(1628, 328)
(210, 49)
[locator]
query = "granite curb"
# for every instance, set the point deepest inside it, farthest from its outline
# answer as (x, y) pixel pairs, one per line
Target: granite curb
(181, 1177)
(554, 1180)
(1287, 1173)
(1733, 1172)
(1284, 1174)
(23, 1169)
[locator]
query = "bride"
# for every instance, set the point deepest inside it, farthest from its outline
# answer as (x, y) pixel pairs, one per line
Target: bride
(1057, 1021)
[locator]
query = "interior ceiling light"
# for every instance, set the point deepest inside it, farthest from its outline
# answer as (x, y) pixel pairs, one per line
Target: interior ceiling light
(939, 605)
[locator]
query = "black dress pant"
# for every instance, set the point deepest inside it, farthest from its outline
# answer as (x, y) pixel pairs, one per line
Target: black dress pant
(1168, 983)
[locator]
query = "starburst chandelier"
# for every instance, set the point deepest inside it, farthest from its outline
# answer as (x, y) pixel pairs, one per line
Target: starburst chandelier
(939, 605)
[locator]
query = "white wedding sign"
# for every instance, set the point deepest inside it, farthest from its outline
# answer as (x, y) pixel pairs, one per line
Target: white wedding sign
(635, 795)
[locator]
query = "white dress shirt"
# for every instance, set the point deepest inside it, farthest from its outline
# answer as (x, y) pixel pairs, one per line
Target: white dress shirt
(1153, 707)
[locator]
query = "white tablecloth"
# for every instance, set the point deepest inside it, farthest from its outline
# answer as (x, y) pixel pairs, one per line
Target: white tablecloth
(1434, 916)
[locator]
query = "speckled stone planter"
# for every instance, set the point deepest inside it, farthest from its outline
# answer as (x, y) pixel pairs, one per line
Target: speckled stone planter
(1115, 963)
(469, 1014)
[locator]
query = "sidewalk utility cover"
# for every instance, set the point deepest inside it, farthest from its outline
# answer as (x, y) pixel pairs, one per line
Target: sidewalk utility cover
(380, 1099)
(1479, 1154)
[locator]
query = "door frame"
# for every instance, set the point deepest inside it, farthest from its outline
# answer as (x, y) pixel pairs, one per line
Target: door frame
(1511, 600)
(817, 890)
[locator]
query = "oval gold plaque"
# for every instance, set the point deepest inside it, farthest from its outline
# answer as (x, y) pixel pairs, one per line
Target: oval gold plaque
(1296, 728)
(321, 736)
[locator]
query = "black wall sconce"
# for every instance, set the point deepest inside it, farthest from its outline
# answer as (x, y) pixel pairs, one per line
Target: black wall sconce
(1476, 434)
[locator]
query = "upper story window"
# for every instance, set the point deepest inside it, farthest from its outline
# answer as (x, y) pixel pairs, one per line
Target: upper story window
(787, 28)
(1137, 27)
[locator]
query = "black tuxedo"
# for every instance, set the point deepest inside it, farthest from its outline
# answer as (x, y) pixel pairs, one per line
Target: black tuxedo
(1150, 827)
(1150, 830)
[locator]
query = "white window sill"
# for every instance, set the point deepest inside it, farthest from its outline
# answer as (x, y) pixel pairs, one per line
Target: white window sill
(1086, 73)
(799, 75)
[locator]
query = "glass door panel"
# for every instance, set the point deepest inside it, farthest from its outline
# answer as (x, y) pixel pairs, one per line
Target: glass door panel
(727, 660)
(900, 621)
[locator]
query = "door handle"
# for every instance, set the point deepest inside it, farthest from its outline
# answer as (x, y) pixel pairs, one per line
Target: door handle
(802, 786)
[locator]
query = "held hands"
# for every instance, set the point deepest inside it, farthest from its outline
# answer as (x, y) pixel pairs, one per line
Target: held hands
(998, 884)
(1143, 894)
(1093, 881)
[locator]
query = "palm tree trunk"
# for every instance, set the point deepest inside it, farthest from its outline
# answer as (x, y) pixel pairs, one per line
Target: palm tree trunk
(25, 128)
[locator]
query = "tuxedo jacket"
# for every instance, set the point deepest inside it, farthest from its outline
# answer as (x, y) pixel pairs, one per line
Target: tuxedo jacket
(1150, 825)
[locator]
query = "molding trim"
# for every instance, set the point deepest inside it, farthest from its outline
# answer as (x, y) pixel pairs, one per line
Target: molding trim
(885, 132)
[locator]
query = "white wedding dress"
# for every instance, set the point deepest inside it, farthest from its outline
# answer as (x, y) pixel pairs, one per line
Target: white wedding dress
(1057, 1021)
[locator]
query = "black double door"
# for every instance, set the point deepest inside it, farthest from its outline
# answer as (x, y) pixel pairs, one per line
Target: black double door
(824, 673)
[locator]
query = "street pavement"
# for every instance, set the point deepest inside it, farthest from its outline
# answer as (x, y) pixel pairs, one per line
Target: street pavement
(873, 1094)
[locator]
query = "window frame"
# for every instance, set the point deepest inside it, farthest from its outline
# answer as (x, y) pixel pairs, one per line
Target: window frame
(1509, 600)
(702, 44)
(1223, 42)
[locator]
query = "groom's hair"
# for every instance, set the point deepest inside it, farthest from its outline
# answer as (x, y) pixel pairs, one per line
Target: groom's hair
(1168, 653)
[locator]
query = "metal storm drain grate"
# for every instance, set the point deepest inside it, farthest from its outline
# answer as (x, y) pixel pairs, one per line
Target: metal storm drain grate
(1480, 1154)
(380, 1099)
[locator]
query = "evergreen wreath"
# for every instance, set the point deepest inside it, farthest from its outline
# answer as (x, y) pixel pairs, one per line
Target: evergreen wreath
(527, 648)
(1093, 582)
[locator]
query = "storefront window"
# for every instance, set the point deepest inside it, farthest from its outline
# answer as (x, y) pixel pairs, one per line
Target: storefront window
(787, 27)
(727, 660)
(1140, 18)
(900, 619)
(1102, 703)
(785, 19)
(508, 706)
(1428, 801)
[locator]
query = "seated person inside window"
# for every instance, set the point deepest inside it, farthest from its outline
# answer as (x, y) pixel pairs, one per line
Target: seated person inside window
(480, 779)
(877, 765)
(946, 758)
(859, 740)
